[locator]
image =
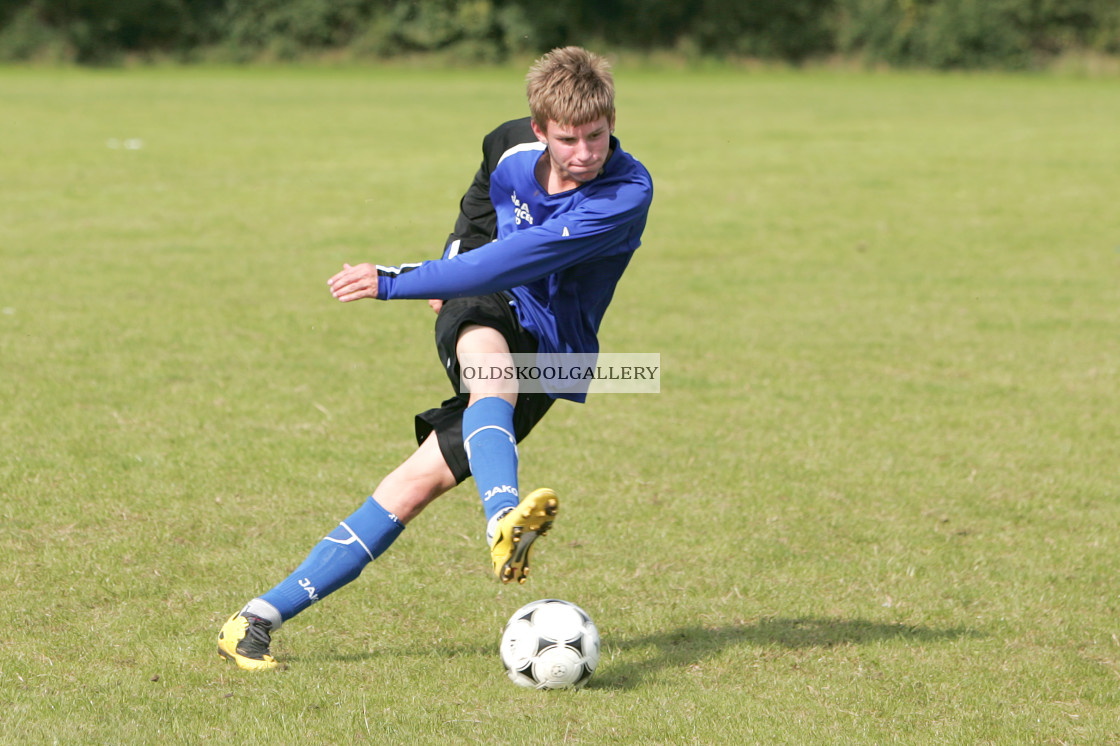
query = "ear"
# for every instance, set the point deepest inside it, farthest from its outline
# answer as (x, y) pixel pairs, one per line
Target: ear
(541, 134)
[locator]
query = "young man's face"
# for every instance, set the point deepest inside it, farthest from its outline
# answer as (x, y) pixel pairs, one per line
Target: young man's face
(577, 152)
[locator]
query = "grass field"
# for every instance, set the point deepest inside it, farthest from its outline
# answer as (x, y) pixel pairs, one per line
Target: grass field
(876, 502)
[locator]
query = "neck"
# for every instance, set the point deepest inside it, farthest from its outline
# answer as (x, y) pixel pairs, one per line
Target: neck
(550, 178)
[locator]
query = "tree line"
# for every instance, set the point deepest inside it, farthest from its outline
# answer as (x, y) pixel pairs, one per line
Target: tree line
(943, 34)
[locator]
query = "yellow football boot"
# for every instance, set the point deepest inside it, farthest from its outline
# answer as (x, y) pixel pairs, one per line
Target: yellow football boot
(244, 639)
(516, 532)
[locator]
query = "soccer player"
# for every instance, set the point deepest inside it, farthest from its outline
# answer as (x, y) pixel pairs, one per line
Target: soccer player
(543, 235)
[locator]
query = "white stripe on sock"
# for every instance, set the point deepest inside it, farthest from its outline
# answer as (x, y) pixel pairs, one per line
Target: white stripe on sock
(353, 538)
(467, 440)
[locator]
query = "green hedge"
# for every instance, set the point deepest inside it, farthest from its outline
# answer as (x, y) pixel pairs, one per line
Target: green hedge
(930, 33)
(975, 33)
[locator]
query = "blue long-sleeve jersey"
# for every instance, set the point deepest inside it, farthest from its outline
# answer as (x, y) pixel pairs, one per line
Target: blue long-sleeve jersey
(559, 255)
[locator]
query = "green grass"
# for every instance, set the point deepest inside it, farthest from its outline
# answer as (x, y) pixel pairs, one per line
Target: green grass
(875, 502)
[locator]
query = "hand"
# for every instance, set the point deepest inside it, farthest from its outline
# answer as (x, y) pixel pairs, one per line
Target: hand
(436, 305)
(354, 283)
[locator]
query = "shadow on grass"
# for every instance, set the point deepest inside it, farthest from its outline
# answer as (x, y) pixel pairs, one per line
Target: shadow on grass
(688, 646)
(691, 645)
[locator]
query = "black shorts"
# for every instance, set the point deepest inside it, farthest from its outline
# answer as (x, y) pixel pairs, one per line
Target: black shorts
(494, 311)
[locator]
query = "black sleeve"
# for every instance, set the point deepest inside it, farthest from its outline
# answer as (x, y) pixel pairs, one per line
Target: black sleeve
(477, 223)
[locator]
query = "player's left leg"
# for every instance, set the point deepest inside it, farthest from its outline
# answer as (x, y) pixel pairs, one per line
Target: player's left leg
(340, 557)
(488, 433)
(513, 525)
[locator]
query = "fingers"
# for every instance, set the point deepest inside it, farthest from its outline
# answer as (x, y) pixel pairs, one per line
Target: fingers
(340, 275)
(354, 283)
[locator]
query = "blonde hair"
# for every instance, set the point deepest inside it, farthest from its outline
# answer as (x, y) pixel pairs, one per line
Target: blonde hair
(570, 86)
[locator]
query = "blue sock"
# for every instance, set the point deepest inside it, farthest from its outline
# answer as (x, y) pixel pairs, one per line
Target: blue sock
(337, 559)
(492, 452)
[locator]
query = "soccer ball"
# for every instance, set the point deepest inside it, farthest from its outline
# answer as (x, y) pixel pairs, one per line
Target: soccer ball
(550, 644)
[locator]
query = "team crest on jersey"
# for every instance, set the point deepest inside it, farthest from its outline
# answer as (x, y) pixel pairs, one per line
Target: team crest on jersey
(521, 211)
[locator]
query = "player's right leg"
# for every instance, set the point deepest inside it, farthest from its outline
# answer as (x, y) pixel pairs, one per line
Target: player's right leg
(339, 558)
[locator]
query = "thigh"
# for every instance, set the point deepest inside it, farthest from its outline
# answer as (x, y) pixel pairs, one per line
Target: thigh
(475, 339)
(492, 311)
